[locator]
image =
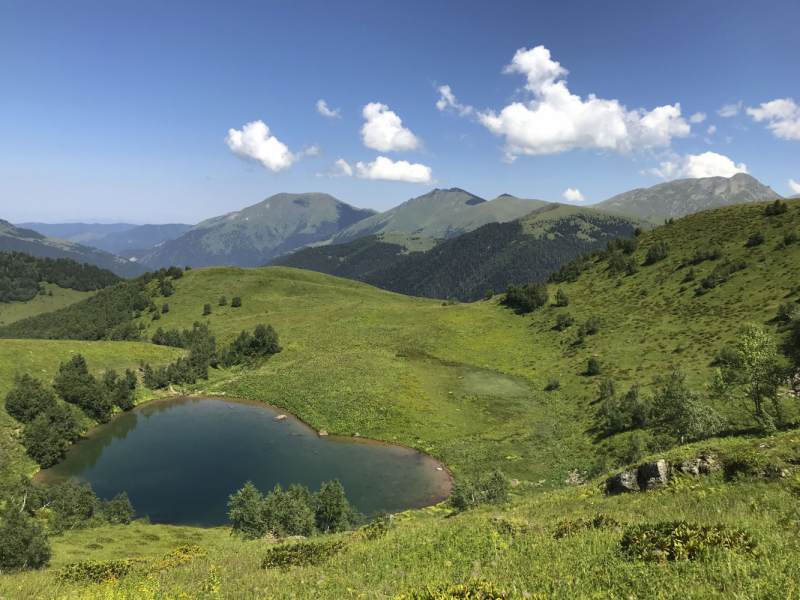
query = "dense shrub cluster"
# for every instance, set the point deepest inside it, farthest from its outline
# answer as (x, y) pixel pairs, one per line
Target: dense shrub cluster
(104, 571)
(678, 540)
(21, 276)
(302, 554)
(490, 489)
(776, 208)
(721, 273)
(657, 252)
(526, 297)
(474, 589)
(569, 527)
(624, 245)
(293, 512)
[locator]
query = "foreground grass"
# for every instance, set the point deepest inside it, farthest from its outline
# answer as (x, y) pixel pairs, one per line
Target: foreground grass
(429, 546)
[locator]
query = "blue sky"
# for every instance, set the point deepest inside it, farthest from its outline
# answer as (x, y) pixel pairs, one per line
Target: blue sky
(123, 111)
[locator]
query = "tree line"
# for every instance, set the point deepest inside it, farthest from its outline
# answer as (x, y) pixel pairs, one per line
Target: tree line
(22, 274)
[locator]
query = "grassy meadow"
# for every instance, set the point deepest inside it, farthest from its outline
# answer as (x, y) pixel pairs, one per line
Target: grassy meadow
(14, 311)
(466, 383)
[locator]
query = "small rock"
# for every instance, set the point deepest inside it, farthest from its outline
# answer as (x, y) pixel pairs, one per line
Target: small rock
(356, 435)
(514, 482)
(222, 394)
(574, 478)
(323, 433)
(440, 469)
(765, 445)
(280, 418)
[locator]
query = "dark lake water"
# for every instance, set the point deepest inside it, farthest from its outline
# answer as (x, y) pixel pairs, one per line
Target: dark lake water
(180, 459)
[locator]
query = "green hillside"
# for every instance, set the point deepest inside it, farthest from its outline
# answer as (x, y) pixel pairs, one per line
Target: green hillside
(15, 239)
(15, 311)
(441, 214)
(473, 385)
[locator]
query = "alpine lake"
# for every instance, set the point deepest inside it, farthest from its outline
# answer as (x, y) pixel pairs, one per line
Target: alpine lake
(179, 460)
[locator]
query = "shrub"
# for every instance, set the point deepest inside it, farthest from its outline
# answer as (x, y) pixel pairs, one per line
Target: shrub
(678, 540)
(788, 311)
(100, 571)
(75, 385)
(491, 489)
(681, 413)
(206, 309)
(475, 588)
(776, 208)
(47, 437)
(721, 273)
(23, 544)
(28, 398)
(593, 367)
(756, 239)
(236, 302)
(552, 385)
(166, 288)
(180, 556)
(165, 308)
(118, 510)
(261, 344)
(561, 298)
(489, 294)
(303, 554)
(564, 321)
(790, 238)
(691, 275)
(658, 251)
(569, 527)
(527, 297)
(223, 301)
(377, 528)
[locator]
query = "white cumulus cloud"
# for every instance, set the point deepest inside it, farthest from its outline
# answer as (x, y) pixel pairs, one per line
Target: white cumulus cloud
(573, 195)
(795, 186)
(698, 117)
(557, 121)
(255, 143)
(783, 116)
(730, 110)
(712, 129)
(322, 108)
(384, 130)
(382, 168)
(708, 164)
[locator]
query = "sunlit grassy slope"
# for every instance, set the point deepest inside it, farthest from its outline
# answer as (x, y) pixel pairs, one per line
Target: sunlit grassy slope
(465, 383)
(14, 311)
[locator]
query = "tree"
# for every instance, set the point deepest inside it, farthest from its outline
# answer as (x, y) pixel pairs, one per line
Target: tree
(751, 378)
(28, 398)
(756, 239)
(50, 433)
(492, 489)
(658, 251)
(593, 367)
(246, 514)
(166, 288)
(206, 309)
(527, 297)
(681, 413)
(489, 294)
(23, 544)
(74, 384)
(236, 302)
(332, 510)
(118, 510)
(561, 298)
(165, 308)
(289, 513)
(73, 505)
(223, 301)
(564, 320)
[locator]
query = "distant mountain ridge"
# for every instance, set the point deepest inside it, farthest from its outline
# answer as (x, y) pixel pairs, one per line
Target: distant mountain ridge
(254, 235)
(687, 196)
(441, 214)
(112, 238)
(17, 239)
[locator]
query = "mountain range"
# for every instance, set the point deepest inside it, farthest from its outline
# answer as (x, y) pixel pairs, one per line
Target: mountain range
(688, 196)
(124, 239)
(18, 239)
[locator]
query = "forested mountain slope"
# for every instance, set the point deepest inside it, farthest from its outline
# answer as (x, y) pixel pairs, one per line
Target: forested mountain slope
(496, 254)
(254, 235)
(441, 214)
(687, 196)
(16, 239)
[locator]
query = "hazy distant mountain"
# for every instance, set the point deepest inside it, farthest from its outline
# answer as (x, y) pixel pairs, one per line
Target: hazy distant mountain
(112, 238)
(522, 250)
(441, 214)
(792, 197)
(17, 239)
(255, 235)
(687, 196)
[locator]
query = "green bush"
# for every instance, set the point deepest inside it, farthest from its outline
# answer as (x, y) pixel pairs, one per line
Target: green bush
(593, 367)
(23, 544)
(568, 527)
(99, 571)
(490, 489)
(474, 589)
(756, 239)
(223, 301)
(775, 209)
(564, 321)
(378, 528)
(236, 302)
(527, 297)
(47, 437)
(657, 252)
(28, 398)
(561, 298)
(489, 294)
(206, 309)
(552, 385)
(302, 554)
(679, 540)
